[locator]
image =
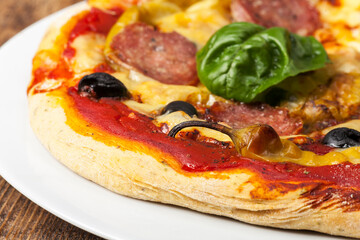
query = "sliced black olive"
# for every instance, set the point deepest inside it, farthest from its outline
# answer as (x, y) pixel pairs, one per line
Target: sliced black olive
(211, 125)
(180, 106)
(100, 84)
(342, 138)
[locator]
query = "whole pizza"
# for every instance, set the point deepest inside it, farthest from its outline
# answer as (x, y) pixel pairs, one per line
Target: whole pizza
(247, 109)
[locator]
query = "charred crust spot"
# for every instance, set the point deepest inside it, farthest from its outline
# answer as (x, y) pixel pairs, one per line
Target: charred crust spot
(269, 190)
(324, 196)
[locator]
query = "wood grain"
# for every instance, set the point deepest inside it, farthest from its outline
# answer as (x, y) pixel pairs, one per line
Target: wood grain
(19, 217)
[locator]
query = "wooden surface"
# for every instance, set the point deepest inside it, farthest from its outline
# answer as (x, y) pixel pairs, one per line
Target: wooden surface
(19, 217)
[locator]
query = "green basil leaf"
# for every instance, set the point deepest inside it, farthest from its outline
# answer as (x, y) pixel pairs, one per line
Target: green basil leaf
(242, 60)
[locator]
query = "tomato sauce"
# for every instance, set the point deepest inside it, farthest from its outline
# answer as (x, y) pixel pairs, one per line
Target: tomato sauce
(95, 21)
(117, 119)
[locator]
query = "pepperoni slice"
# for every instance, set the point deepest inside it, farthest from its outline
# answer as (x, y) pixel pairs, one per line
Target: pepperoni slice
(239, 115)
(297, 16)
(167, 57)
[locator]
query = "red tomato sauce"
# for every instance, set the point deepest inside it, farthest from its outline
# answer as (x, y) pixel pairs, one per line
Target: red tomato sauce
(95, 21)
(117, 119)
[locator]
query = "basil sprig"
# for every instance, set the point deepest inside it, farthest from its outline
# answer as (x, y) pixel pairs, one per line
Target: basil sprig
(242, 60)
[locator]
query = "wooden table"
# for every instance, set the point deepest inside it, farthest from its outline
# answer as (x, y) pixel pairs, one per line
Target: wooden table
(19, 217)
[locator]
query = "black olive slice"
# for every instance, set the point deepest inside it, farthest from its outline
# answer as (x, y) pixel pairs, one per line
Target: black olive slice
(100, 84)
(211, 125)
(180, 106)
(342, 138)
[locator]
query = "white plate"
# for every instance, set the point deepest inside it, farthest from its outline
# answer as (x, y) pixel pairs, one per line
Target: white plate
(27, 166)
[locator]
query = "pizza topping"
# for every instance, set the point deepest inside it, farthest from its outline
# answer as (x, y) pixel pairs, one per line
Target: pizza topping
(256, 137)
(96, 21)
(174, 106)
(317, 148)
(297, 16)
(239, 115)
(242, 60)
(100, 84)
(256, 141)
(166, 57)
(342, 138)
(116, 119)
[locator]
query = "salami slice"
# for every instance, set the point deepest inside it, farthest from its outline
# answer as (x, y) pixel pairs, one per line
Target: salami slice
(239, 115)
(297, 16)
(166, 57)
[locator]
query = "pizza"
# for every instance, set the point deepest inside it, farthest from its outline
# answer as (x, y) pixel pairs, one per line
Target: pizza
(239, 108)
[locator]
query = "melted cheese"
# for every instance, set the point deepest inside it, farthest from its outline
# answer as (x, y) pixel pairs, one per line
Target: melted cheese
(353, 124)
(199, 21)
(341, 24)
(89, 52)
(152, 92)
(347, 11)
(307, 158)
(340, 35)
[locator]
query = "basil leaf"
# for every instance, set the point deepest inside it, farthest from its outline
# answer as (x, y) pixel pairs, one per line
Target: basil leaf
(242, 60)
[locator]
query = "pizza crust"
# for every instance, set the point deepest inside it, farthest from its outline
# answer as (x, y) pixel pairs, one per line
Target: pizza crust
(141, 176)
